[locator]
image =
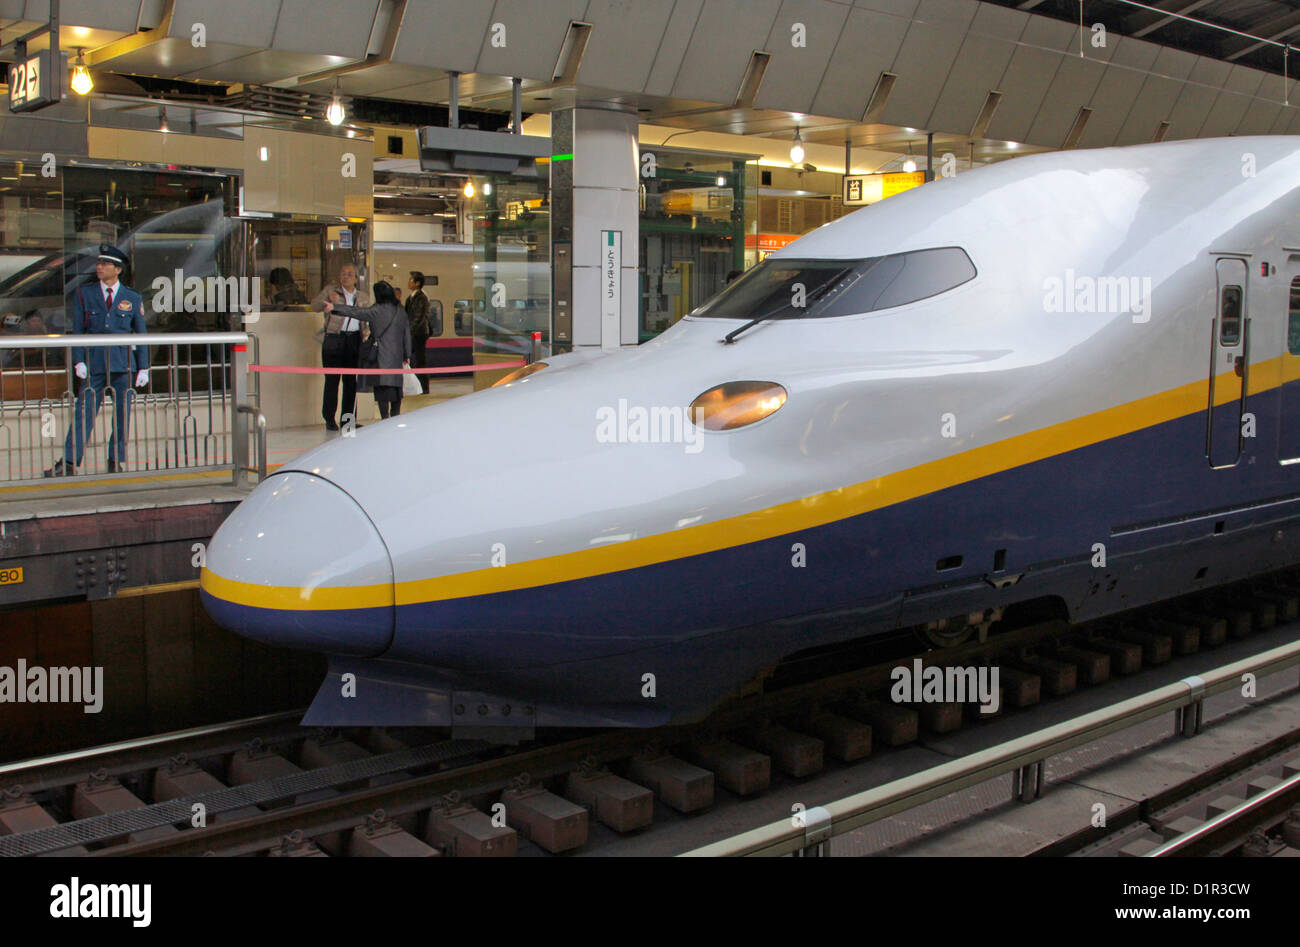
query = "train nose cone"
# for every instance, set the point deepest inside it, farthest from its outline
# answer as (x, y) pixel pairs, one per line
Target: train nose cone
(300, 565)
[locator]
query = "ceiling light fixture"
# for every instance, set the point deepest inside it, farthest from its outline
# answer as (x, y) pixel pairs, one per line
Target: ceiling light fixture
(335, 113)
(82, 83)
(909, 165)
(796, 150)
(469, 189)
(487, 188)
(722, 180)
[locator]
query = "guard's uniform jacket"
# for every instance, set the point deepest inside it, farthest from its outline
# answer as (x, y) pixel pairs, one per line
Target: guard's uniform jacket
(89, 316)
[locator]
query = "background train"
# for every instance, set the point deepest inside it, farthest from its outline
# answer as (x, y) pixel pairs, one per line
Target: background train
(1068, 381)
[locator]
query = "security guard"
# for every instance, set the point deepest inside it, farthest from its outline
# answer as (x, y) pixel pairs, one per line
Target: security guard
(104, 307)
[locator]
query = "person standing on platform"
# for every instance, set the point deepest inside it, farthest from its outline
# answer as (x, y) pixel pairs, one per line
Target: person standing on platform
(341, 345)
(417, 316)
(104, 307)
(389, 329)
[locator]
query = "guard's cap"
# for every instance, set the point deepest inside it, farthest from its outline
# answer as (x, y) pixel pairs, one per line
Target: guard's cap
(112, 254)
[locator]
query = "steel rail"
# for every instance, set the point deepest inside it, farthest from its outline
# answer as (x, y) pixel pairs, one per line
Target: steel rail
(816, 826)
(1226, 826)
(128, 755)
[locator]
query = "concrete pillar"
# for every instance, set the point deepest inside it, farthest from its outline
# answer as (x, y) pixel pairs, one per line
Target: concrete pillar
(595, 195)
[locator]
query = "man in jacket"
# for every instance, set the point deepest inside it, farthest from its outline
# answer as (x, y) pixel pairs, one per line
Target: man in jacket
(104, 307)
(341, 345)
(417, 317)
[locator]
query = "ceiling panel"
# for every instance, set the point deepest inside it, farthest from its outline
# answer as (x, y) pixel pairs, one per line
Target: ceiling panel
(242, 22)
(795, 72)
(337, 27)
(1155, 101)
(382, 80)
(612, 61)
(534, 35)
(1073, 86)
(1261, 113)
(672, 46)
(1023, 86)
(978, 68)
(266, 66)
(433, 33)
(925, 59)
(1119, 87)
(867, 46)
(117, 15)
(1195, 101)
(1231, 102)
(726, 34)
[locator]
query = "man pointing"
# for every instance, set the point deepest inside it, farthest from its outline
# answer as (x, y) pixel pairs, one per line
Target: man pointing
(104, 307)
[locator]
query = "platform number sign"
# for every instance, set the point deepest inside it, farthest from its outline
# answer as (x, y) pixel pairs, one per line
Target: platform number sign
(31, 83)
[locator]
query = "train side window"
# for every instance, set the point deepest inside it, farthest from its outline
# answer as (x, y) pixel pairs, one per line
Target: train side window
(1230, 316)
(463, 317)
(435, 318)
(1293, 319)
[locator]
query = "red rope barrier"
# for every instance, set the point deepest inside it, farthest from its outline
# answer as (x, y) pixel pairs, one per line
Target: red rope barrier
(445, 370)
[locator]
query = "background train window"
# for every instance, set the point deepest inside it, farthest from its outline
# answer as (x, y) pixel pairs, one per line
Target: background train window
(1293, 321)
(463, 317)
(435, 318)
(1230, 316)
(776, 287)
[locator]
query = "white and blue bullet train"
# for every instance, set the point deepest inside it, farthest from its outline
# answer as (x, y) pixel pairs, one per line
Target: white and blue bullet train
(1068, 381)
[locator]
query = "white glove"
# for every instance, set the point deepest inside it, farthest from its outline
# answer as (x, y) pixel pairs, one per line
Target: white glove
(80, 369)
(142, 378)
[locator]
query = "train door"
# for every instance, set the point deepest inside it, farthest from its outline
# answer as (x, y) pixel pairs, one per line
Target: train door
(1288, 446)
(1229, 365)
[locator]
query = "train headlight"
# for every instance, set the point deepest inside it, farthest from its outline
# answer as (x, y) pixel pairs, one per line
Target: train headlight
(519, 373)
(735, 404)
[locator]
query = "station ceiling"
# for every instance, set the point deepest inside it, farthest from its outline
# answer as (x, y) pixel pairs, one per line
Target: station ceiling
(999, 77)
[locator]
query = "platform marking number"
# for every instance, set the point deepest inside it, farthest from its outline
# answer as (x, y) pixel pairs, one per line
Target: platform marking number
(11, 576)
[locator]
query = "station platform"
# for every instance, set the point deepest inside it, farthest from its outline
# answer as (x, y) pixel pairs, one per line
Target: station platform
(92, 538)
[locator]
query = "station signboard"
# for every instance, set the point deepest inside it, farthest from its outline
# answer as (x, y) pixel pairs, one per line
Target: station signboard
(862, 189)
(31, 83)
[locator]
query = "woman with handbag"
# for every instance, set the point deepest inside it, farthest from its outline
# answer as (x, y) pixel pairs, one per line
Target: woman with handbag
(389, 346)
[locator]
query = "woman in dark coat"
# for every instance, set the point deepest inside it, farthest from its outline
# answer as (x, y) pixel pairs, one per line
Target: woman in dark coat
(388, 326)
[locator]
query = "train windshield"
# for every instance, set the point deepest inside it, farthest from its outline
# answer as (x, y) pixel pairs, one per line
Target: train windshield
(810, 289)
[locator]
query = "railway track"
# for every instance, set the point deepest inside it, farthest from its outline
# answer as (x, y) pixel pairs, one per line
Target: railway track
(265, 786)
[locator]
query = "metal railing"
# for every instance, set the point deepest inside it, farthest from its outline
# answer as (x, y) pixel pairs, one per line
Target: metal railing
(194, 414)
(810, 831)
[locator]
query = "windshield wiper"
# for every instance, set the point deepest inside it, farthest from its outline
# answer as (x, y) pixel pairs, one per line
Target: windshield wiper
(731, 336)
